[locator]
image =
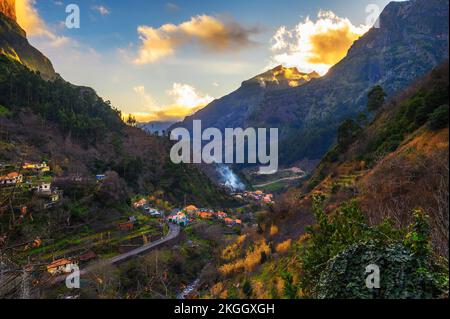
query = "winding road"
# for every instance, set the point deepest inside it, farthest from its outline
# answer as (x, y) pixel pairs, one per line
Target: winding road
(174, 232)
(292, 178)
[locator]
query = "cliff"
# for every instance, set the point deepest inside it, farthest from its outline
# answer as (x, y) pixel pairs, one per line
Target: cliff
(14, 43)
(8, 8)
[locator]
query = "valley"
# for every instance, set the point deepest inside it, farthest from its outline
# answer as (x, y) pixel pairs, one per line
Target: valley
(355, 177)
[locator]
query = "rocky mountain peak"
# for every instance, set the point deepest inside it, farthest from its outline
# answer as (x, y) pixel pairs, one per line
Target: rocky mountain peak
(282, 77)
(8, 8)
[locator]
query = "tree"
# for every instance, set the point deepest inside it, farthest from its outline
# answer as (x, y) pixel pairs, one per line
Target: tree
(347, 132)
(439, 118)
(131, 120)
(376, 98)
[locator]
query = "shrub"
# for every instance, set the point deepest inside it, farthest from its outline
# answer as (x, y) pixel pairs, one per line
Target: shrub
(284, 246)
(342, 245)
(439, 118)
(401, 276)
(376, 98)
(347, 133)
(273, 230)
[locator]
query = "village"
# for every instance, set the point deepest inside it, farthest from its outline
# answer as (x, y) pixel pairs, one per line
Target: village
(257, 196)
(35, 179)
(29, 188)
(190, 214)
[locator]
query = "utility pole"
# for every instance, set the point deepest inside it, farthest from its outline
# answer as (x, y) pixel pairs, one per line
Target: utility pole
(25, 284)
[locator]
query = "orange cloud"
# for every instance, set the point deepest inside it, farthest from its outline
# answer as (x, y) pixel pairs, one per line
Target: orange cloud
(28, 18)
(186, 101)
(171, 113)
(315, 46)
(206, 31)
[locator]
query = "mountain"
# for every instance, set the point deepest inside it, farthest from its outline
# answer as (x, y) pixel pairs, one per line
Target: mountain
(398, 162)
(8, 8)
(379, 197)
(13, 42)
(234, 109)
(156, 127)
(411, 40)
(78, 132)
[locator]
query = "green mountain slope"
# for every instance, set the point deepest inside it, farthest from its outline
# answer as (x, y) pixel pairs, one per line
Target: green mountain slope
(13, 42)
(66, 123)
(379, 197)
(411, 40)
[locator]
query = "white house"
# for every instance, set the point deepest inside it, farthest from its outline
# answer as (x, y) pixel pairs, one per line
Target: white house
(44, 188)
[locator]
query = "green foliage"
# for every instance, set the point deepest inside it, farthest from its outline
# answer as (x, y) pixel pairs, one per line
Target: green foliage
(347, 133)
(247, 288)
(329, 236)
(400, 274)
(376, 98)
(418, 237)
(341, 246)
(439, 118)
(289, 290)
(76, 110)
(78, 211)
(4, 112)
(425, 104)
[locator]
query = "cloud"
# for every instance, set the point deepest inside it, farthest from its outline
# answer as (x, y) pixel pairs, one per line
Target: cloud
(28, 18)
(104, 11)
(145, 97)
(187, 96)
(186, 101)
(315, 46)
(170, 6)
(207, 32)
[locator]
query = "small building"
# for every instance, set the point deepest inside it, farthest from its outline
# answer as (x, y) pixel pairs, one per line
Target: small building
(87, 256)
(40, 167)
(44, 188)
(191, 209)
(267, 199)
(228, 221)
(11, 179)
(100, 177)
(127, 226)
(140, 203)
(205, 215)
(60, 266)
(152, 212)
(222, 215)
(180, 219)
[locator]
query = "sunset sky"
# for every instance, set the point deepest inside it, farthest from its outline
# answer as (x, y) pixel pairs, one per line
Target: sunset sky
(162, 60)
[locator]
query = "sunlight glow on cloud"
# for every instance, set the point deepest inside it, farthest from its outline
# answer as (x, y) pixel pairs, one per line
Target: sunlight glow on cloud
(206, 31)
(186, 101)
(28, 18)
(315, 46)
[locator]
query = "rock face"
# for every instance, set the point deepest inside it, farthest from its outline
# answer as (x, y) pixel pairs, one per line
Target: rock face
(411, 40)
(234, 109)
(8, 8)
(14, 43)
